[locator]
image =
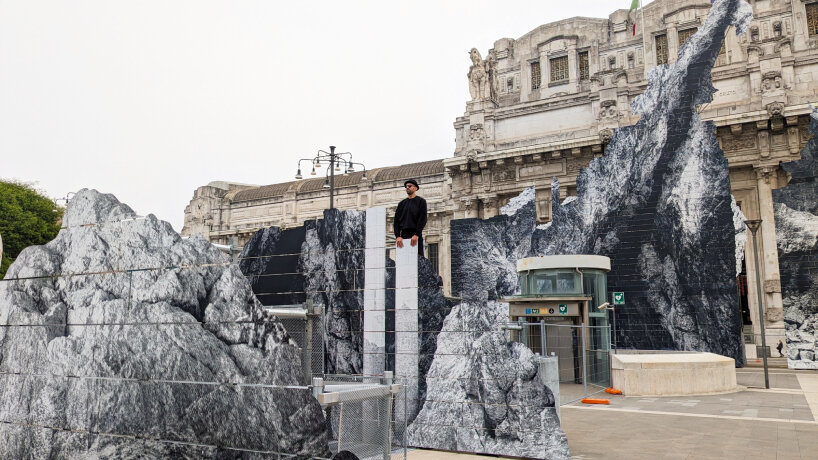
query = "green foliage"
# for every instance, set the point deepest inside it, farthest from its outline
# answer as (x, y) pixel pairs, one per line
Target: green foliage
(26, 218)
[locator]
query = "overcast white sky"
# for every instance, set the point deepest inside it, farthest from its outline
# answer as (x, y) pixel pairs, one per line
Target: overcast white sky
(150, 99)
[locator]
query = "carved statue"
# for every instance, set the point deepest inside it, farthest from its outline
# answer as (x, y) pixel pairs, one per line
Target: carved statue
(491, 69)
(482, 76)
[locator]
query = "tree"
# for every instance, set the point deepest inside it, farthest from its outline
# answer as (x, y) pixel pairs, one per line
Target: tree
(26, 218)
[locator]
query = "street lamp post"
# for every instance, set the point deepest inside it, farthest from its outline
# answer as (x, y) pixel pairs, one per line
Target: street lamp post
(754, 225)
(334, 161)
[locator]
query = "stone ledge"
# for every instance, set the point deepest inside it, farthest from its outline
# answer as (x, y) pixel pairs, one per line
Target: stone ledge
(666, 374)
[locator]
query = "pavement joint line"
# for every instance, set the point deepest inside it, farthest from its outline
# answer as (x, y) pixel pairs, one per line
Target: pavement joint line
(769, 373)
(684, 414)
(776, 390)
(809, 383)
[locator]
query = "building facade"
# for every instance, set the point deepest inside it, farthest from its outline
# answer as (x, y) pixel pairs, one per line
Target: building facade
(545, 104)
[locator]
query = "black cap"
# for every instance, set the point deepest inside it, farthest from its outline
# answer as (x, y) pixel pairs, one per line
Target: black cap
(411, 181)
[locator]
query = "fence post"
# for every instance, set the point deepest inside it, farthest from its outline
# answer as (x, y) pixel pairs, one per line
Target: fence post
(306, 360)
(543, 350)
(584, 366)
(523, 331)
(387, 417)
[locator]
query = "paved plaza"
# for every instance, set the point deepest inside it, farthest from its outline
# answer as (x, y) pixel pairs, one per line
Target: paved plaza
(755, 423)
(779, 423)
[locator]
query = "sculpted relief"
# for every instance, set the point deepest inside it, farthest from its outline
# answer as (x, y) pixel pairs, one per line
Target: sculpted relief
(482, 76)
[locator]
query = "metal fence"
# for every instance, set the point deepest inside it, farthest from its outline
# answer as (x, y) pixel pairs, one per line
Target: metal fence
(304, 323)
(359, 414)
(583, 354)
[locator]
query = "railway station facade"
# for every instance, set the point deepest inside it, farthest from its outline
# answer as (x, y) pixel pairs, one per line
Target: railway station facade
(545, 104)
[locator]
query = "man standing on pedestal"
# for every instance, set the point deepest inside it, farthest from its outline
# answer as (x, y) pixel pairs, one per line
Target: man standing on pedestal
(410, 217)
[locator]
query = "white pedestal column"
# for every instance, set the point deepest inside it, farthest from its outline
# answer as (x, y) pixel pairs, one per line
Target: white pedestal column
(406, 328)
(375, 293)
(374, 358)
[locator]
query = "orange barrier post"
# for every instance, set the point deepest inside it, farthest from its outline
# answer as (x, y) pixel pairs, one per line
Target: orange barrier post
(595, 401)
(613, 391)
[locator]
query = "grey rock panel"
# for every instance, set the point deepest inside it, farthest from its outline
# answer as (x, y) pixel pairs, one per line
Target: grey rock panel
(796, 226)
(145, 344)
(332, 264)
(323, 262)
(483, 393)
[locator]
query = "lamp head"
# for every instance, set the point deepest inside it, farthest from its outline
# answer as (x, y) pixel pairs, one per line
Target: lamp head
(753, 225)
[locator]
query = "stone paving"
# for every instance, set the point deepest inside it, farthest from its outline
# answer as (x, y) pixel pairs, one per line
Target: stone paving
(779, 423)
(755, 423)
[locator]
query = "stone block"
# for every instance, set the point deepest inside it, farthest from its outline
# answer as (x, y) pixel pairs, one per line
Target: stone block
(660, 374)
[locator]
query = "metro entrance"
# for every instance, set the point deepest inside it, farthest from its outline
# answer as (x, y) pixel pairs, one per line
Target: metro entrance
(556, 313)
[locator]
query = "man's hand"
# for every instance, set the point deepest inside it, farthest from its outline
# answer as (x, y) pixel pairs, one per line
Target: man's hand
(414, 240)
(399, 242)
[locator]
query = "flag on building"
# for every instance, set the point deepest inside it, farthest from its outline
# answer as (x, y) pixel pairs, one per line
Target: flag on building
(634, 6)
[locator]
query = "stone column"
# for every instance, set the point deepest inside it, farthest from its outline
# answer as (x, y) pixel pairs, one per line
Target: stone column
(374, 292)
(768, 253)
(573, 67)
(445, 254)
(672, 44)
(407, 345)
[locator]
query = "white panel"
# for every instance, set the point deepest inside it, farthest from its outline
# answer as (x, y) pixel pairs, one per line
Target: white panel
(374, 307)
(406, 327)
(374, 291)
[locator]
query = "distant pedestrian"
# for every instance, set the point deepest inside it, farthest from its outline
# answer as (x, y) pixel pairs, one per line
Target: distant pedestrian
(410, 217)
(780, 347)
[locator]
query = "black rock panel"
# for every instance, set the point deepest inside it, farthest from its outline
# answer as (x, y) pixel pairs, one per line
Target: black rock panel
(657, 203)
(796, 226)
